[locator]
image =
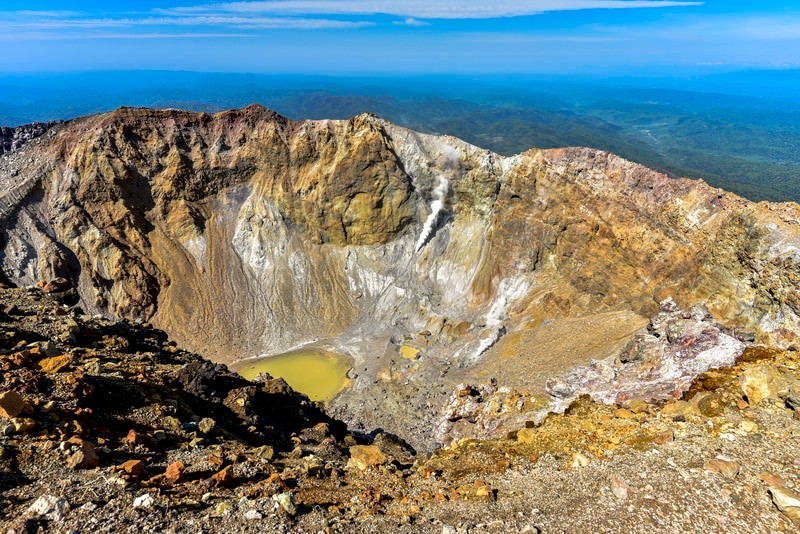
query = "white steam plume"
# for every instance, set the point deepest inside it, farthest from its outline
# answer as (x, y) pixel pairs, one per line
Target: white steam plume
(439, 194)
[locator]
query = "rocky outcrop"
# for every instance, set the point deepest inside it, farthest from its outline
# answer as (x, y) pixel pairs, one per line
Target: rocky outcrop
(13, 138)
(243, 233)
(660, 363)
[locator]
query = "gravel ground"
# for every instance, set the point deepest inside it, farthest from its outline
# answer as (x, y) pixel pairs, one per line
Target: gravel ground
(274, 462)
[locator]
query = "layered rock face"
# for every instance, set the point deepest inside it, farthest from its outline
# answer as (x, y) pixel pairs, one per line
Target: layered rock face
(244, 233)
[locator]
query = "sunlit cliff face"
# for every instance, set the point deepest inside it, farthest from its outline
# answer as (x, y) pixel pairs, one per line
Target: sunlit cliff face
(244, 234)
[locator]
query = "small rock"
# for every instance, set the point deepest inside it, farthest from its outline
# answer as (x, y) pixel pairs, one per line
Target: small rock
(223, 478)
(174, 472)
(623, 413)
(747, 426)
(88, 507)
(23, 424)
(265, 452)
(133, 438)
(47, 348)
(619, 487)
(664, 437)
(678, 408)
(252, 515)
(11, 404)
(285, 501)
(447, 529)
(55, 364)
(723, 466)
(579, 460)
(51, 507)
(85, 457)
(133, 467)
(793, 397)
(708, 404)
(144, 501)
(56, 285)
(776, 481)
(206, 425)
(761, 382)
(787, 502)
(11, 309)
(364, 456)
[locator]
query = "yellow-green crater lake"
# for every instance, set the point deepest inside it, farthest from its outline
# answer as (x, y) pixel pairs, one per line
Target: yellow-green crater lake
(318, 373)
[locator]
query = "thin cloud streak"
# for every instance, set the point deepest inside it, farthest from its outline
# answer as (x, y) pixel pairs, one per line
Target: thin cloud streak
(43, 36)
(230, 21)
(466, 9)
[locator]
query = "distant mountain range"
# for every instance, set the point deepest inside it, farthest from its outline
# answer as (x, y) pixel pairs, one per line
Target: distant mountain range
(737, 131)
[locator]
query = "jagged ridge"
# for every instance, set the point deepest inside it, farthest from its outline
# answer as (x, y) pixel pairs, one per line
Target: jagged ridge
(244, 233)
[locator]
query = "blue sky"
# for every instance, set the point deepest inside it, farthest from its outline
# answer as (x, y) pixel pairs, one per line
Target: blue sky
(399, 37)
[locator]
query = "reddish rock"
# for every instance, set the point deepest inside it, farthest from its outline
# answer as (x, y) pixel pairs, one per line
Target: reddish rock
(132, 439)
(726, 468)
(133, 467)
(11, 404)
(56, 285)
(174, 472)
(775, 481)
(224, 478)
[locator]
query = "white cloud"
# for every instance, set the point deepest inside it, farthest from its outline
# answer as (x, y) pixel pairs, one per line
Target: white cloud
(411, 21)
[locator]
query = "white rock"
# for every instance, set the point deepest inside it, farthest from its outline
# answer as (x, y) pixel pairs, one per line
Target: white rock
(50, 506)
(252, 515)
(144, 501)
(286, 502)
(88, 507)
(787, 502)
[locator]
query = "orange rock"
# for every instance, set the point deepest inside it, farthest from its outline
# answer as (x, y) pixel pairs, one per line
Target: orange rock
(133, 467)
(174, 472)
(775, 481)
(726, 468)
(11, 404)
(224, 478)
(364, 456)
(55, 364)
(664, 437)
(132, 439)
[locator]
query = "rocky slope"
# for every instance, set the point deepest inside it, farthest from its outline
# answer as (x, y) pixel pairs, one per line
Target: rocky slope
(110, 427)
(431, 262)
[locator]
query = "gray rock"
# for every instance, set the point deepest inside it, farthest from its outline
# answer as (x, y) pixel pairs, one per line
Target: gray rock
(144, 501)
(51, 507)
